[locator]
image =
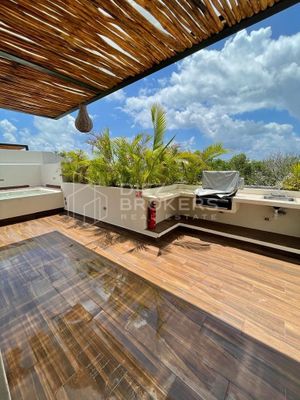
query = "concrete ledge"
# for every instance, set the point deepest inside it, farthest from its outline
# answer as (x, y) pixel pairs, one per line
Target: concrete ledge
(28, 217)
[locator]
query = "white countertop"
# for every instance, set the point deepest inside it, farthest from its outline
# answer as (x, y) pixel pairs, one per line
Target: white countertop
(259, 199)
(243, 196)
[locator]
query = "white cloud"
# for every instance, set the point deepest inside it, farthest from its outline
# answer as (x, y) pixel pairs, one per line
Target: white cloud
(54, 134)
(119, 95)
(188, 144)
(48, 135)
(212, 89)
(8, 130)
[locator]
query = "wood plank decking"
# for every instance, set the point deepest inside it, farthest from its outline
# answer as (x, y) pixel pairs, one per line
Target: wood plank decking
(75, 325)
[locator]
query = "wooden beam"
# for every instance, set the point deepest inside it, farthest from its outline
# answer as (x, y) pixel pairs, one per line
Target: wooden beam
(13, 146)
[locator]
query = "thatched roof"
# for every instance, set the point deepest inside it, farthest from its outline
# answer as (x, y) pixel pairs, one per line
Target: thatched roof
(55, 55)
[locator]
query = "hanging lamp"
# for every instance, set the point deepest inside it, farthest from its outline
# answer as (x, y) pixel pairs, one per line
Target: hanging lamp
(83, 121)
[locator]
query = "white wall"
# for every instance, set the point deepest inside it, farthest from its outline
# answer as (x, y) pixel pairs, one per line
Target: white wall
(19, 175)
(259, 217)
(29, 205)
(166, 209)
(20, 157)
(112, 205)
(49, 158)
(33, 168)
(51, 174)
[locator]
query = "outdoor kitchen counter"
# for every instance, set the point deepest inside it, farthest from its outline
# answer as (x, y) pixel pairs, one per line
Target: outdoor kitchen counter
(242, 196)
(169, 195)
(259, 199)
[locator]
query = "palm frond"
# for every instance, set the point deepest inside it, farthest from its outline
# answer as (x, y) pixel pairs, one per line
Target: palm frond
(213, 151)
(159, 122)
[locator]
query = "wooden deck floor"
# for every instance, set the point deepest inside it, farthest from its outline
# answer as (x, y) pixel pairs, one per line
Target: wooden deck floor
(74, 325)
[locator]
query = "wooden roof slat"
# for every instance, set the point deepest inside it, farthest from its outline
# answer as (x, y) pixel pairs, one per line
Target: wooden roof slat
(255, 6)
(263, 4)
(201, 18)
(245, 5)
(182, 11)
(93, 41)
(137, 24)
(107, 28)
(168, 20)
(222, 7)
(64, 52)
(208, 5)
(58, 44)
(38, 91)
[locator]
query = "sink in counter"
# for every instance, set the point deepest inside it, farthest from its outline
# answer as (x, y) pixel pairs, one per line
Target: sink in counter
(281, 197)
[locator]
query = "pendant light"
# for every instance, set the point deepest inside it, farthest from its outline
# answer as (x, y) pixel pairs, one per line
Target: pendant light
(83, 121)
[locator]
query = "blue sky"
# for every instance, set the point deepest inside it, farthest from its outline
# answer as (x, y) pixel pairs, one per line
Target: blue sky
(244, 92)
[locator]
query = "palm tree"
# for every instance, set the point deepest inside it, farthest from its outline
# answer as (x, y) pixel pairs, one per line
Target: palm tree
(146, 159)
(193, 163)
(102, 169)
(130, 159)
(155, 157)
(74, 166)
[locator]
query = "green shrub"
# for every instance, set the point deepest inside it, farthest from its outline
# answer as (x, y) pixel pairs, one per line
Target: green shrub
(74, 166)
(292, 181)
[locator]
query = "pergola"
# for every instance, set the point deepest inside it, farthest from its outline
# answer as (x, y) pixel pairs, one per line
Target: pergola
(58, 54)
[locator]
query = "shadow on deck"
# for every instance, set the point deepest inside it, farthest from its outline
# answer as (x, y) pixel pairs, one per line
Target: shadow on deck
(74, 324)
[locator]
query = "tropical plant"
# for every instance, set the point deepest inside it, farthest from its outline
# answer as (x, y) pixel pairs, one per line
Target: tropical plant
(278, 166)
(74, 166)
(170, 166)
(102, 169)
(292, 181)
(137, 162)
(147, 160)
(130, 159)
(193, 163)
(158, 155)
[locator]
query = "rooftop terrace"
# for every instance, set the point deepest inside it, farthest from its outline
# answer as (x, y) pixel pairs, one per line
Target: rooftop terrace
(96, 312)
(92, 311)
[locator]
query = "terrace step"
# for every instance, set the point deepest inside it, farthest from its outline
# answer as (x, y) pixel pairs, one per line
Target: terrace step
(269, 239)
